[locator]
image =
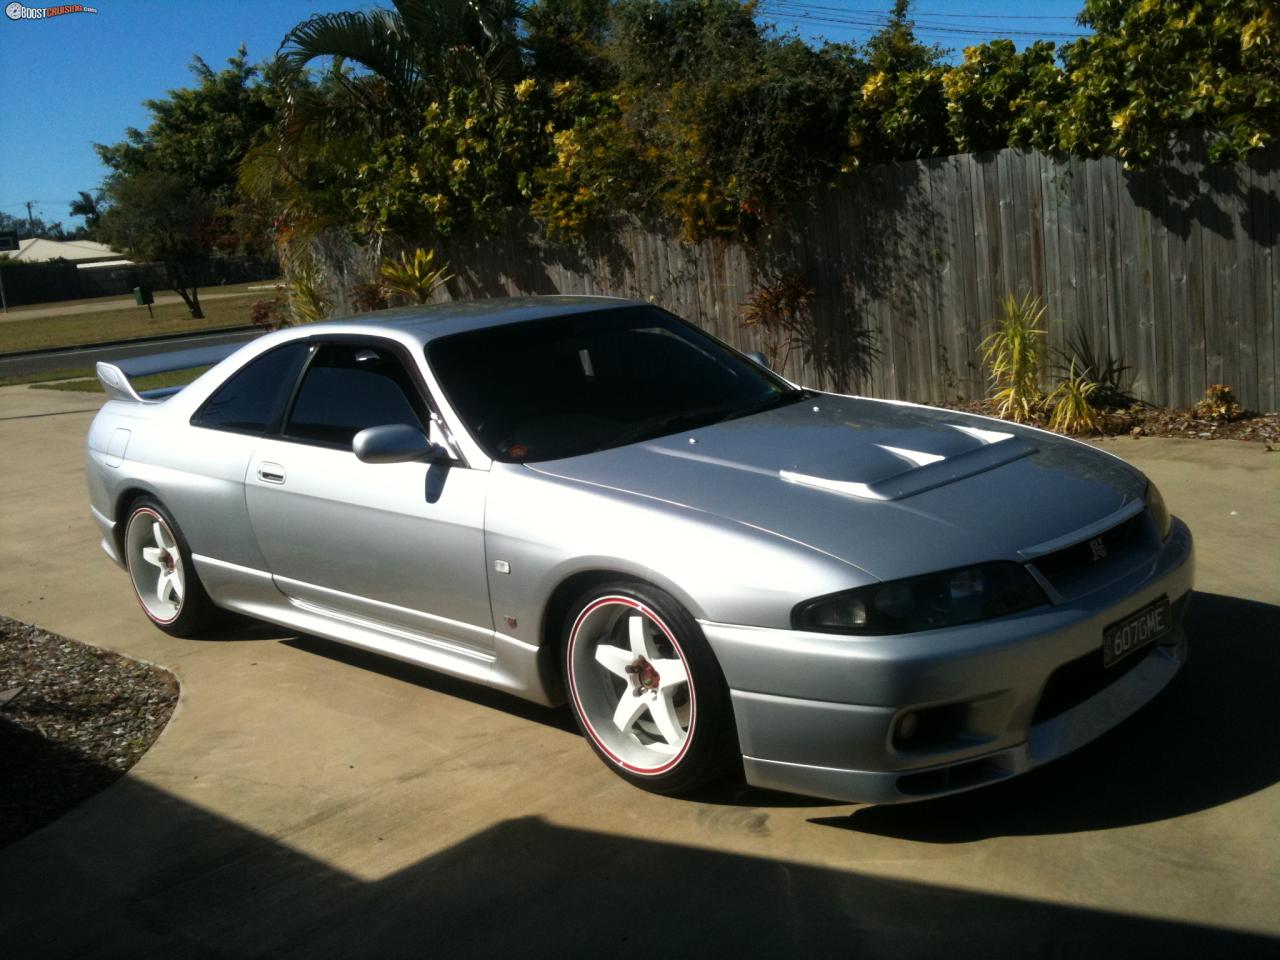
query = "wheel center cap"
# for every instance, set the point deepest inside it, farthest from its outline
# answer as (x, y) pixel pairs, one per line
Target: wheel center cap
(643, 676)
(166, 560)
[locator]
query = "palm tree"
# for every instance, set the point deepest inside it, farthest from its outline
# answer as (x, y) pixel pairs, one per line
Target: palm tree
(416, 52)
(87, 206)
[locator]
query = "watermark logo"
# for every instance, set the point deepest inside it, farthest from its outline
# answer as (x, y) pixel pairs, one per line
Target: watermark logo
(16, 11)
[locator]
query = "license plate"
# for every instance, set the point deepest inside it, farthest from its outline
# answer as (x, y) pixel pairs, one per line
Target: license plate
(1149, 625)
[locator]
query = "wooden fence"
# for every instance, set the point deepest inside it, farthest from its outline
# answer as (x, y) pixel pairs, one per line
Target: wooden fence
(1173, 271)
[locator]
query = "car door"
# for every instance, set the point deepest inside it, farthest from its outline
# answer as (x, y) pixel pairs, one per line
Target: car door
(399, 546)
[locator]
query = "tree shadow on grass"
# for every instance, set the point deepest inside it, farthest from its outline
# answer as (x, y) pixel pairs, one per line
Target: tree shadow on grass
(1206, 740)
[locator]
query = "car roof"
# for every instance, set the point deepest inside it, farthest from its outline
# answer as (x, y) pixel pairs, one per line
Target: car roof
(431, 321)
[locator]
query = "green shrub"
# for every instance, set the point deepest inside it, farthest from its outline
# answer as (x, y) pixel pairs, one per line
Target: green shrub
(1014, 355)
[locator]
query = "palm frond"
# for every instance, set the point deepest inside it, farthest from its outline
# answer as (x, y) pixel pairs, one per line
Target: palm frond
(376, 41)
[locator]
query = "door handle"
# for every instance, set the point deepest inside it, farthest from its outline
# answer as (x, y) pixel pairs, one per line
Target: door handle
(270, 473)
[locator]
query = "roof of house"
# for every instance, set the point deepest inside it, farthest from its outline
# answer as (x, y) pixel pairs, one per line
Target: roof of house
(35, 250)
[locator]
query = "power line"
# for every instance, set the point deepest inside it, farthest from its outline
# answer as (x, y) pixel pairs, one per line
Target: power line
(916, 15)
(38, 203)
(862, 24)
(789, 8)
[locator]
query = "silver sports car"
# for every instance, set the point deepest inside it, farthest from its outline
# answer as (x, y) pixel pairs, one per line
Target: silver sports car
(590, 500)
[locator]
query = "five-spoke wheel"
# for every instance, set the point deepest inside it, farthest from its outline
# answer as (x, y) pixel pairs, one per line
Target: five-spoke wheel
(160, 568)
(645, 688)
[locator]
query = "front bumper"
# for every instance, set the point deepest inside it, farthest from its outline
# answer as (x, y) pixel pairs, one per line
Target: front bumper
(817, 714)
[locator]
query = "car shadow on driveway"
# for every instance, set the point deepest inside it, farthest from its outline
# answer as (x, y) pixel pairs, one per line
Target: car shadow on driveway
(1208, 739)
(141, 873)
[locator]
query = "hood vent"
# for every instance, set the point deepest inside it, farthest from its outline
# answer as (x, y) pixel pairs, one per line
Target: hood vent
(923, 470)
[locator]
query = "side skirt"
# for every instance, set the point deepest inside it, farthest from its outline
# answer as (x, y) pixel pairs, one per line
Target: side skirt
(512, 667)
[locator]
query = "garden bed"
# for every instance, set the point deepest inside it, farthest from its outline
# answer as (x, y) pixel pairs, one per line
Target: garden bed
(1143, 420)
(73, 719)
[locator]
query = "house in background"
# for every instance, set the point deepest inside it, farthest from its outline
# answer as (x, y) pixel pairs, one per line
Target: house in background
(83, 253)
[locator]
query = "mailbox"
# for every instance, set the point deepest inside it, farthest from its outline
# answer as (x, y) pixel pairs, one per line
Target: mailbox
(143, 296)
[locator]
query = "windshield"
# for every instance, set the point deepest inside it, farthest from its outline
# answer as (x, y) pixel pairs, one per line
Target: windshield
(548, 389)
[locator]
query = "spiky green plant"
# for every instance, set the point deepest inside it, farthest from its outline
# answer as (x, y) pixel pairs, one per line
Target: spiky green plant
(1073, 411)
(1014, 354)
(306, 292)
(415, 277)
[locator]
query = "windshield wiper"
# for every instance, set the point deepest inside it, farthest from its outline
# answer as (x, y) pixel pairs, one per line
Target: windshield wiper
(693, 419)
(660, 428)
(771, 403)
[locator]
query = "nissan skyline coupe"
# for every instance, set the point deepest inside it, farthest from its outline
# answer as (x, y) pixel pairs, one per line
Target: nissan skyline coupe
(588, 500)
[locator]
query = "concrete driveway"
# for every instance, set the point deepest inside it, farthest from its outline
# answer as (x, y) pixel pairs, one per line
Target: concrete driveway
(312, 801)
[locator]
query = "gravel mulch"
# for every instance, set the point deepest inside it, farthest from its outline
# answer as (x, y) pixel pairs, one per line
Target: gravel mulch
(73, 718)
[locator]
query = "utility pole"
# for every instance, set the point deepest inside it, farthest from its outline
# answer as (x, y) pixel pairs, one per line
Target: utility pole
(30, 219)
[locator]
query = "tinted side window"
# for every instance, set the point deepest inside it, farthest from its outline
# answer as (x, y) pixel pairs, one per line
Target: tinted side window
(253, 400)
(348, 388)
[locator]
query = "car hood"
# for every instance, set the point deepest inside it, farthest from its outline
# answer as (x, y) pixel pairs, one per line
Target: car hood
(894, 489)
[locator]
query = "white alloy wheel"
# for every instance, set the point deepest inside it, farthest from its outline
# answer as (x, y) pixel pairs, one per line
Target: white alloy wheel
(155, 565)
(630, 683)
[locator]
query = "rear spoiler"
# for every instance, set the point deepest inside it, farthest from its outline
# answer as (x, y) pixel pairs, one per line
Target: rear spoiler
(116, 377)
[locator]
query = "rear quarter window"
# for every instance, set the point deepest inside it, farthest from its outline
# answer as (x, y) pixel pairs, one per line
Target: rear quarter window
(253, 399)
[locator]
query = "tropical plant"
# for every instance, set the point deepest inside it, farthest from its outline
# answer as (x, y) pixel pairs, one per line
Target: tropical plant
(88, 205)
(414, 277)
(307, 298)
(778, 311)
(419, 51)
(1014, 355)
(1072, 410)
(1100, 365)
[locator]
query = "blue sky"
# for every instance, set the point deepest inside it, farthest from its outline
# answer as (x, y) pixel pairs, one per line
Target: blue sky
(74, 80)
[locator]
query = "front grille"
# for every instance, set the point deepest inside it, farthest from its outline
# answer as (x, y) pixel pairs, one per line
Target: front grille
(1077, 680)
(1095, 555)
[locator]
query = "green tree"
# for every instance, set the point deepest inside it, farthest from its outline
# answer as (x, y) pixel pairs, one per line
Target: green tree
(172, 188)
(565, 40)
(900, 107)
(199, 134)
(710, 123)
(999, 97)
(1154, 68)
(157, 216)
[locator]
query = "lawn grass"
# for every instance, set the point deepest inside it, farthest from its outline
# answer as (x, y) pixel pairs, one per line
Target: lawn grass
(79, 329)
(172, 378)
(72, 373)
(128, 297)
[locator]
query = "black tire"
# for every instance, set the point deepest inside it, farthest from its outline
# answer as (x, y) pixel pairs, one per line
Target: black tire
(668, 736)
(150, 557)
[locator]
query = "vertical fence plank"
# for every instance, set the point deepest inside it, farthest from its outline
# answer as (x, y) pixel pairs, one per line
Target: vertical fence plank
(1264, 225)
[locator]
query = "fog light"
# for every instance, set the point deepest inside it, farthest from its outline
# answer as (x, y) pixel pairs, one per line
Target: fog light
(906, 727)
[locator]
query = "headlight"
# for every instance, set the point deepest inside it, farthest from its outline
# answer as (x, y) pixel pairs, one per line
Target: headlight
(1159, 512)
(944, 599)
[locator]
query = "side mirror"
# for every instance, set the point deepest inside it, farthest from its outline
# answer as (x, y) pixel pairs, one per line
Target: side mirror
(395, 443)
(759, 358)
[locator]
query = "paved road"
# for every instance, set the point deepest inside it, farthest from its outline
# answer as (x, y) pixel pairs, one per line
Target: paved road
(76, 357)
(311, 801)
